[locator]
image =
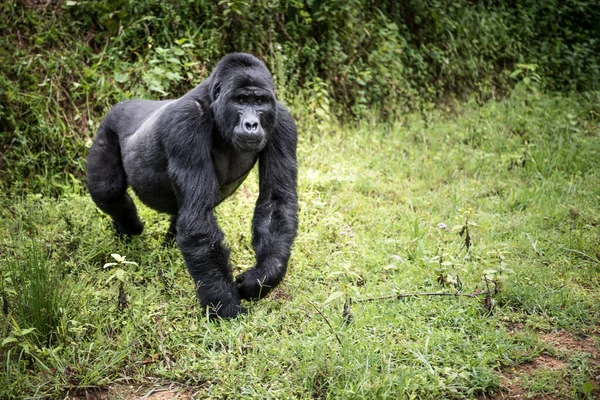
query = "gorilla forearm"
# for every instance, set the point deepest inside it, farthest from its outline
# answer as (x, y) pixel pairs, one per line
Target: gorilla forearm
(199, 237)
(275, 217)
(274, 229)
(207, 261)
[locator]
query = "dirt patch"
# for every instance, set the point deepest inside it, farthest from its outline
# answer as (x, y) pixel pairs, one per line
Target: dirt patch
(514, 327)
(44, 5)
(589, 345)
(563, 341)
(280, 294)
(36, 3)
(545, 362)
(512, 378)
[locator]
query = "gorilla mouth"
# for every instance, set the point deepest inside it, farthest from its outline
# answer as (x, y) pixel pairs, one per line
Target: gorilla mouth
(250, 144)
(251, 138)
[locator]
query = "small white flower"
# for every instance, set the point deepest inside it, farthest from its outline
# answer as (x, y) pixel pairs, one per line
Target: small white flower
(442, 225)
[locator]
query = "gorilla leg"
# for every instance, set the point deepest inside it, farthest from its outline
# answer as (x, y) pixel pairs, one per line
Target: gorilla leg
(107, 183)
(172, 232)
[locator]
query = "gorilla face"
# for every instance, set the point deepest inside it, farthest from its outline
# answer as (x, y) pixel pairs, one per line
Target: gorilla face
(245, 109)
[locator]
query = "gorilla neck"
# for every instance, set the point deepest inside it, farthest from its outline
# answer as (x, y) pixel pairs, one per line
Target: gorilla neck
(231, 167)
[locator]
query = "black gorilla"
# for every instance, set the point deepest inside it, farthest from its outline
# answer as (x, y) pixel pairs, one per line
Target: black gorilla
(183, 157)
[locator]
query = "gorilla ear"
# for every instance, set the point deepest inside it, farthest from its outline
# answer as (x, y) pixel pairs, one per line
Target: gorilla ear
(217, 91)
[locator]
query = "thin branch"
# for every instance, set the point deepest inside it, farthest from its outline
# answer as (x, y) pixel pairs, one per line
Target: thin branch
(581, 253)
(327, 321)
(459, 250)
(152, 391)
(405, 295)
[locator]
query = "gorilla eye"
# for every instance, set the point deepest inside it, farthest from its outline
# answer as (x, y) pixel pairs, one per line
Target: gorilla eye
(260, 100)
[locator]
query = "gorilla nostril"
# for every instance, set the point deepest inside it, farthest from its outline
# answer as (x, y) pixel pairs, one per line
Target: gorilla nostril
(251, 125)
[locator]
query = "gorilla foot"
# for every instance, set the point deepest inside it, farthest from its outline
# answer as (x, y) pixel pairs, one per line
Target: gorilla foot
(125, 229)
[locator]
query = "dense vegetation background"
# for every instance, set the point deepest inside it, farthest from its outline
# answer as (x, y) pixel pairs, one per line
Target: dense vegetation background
(446, 147)
(65, 62)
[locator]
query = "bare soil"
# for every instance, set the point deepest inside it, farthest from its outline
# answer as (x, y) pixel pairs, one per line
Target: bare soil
(512, 377)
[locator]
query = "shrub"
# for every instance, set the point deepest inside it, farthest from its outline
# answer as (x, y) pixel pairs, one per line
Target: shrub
(66, 63)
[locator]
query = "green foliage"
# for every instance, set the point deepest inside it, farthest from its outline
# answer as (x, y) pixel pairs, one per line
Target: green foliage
(65, 63)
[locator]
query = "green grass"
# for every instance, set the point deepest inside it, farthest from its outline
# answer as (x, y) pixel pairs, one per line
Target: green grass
(525, 173)
(34, 293)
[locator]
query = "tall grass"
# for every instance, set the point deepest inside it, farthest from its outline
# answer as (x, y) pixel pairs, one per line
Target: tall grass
(34, 294)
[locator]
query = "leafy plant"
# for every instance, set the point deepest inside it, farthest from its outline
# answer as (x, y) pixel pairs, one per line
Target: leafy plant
(122, 276)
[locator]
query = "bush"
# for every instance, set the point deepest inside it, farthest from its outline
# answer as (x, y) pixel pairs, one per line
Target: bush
(65, 63)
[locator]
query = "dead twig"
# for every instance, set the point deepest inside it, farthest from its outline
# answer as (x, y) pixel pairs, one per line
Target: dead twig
(581, 253)
(152, 391)
(405, 295)
(327, 321)
(122, 298)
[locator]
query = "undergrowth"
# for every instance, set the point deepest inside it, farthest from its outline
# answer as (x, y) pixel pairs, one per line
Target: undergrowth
(382, 209)
(66, 62)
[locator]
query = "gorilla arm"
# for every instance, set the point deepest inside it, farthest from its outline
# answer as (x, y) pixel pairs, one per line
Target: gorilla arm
(199, 238)
(275, 216)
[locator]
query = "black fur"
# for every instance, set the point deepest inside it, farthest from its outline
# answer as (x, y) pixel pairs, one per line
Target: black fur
(183, 157)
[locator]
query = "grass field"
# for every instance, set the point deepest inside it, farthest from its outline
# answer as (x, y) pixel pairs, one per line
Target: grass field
(383, 207)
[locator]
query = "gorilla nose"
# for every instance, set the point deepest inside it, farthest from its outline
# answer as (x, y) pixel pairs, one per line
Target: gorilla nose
(251, 126)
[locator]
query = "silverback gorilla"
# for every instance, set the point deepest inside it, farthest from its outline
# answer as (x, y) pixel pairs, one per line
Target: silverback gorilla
(184, 156)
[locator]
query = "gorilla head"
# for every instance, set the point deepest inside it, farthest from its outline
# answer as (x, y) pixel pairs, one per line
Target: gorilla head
(243, 101)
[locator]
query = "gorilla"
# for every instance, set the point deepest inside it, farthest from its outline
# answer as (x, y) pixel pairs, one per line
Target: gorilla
(183, 157)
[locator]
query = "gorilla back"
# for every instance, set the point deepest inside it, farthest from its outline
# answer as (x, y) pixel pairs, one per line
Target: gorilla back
(184, 156)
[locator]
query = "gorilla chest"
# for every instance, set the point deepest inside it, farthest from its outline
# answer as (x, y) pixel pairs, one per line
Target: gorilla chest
(231, 168)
